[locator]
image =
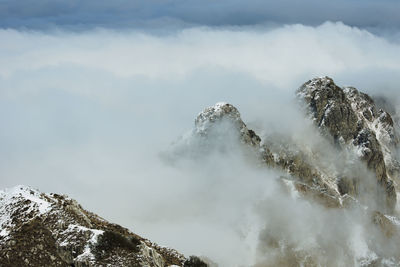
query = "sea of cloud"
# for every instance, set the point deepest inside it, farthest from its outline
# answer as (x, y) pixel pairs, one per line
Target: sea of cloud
(88, 113)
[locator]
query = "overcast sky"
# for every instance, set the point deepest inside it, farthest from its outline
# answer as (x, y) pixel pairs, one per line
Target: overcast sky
(43, 14)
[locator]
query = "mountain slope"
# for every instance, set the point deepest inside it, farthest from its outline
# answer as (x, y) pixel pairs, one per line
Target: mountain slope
(39, 229)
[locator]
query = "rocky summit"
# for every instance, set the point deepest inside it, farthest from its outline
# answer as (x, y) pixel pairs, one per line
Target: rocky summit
(350, 122)
(359, 173)
(39, 229)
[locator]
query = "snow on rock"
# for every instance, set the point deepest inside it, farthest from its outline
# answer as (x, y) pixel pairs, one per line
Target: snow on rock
(351, 121)
(34, 204)
(329, 108)
(336, 114)
(393, 219)
(87, 254)
(220, 126)
(39, 229)
(227, 117)
(380, 123)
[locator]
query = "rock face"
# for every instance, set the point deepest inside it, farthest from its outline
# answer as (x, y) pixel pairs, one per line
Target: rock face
(351, 168)
(279, 153)
(381, 124)
(330, 109)
(222, 113)
(40, 229)
(358, 173)
(351, 120)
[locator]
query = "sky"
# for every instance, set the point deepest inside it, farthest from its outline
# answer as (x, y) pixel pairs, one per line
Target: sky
(93, 94)
(44, 14)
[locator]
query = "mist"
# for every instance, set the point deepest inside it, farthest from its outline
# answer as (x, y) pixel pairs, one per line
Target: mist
(92, 114)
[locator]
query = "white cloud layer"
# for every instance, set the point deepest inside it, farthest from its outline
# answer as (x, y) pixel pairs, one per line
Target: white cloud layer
(274, 56)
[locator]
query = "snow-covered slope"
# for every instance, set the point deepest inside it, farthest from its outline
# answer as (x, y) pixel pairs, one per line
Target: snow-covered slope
(38, 229)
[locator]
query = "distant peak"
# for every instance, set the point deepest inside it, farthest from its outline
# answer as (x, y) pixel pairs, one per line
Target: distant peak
(214, 113)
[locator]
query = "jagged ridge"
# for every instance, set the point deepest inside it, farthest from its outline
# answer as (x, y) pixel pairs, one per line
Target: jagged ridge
(346, 117)
(351, 121)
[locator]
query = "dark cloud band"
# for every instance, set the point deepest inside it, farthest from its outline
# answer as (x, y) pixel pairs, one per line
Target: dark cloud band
(43, 14)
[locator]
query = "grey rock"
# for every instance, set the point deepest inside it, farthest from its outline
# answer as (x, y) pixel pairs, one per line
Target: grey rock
(350, 120)
(82, 239)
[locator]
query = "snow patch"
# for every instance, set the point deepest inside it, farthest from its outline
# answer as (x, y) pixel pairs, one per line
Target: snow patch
(11, 200)
(394, 220)
(4, 233)
(87, 253)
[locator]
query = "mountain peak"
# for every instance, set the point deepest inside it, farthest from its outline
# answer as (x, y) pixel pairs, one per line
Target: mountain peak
(218, 112)
(224, 114)
(345, 116)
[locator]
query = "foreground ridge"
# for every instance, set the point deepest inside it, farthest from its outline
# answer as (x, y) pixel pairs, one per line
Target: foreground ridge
(40, 229)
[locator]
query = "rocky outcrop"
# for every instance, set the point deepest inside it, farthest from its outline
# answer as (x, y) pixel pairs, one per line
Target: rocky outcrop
(220, 114)
(348, 165)
(310, 178)
(351, 121)
(348, 119)
(330, 109)
(221, 123)
(380, 122)
(40, 229)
